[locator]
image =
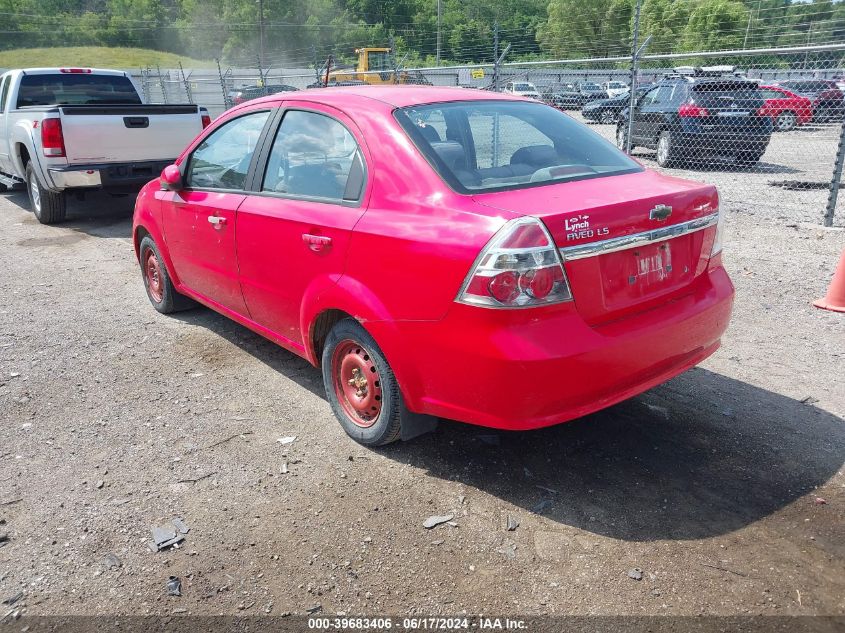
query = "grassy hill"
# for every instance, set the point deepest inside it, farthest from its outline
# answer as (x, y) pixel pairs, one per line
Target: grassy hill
(96, 56)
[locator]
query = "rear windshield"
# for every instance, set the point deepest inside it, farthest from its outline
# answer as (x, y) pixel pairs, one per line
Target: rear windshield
(729, 89)
(591, 86)
(498, 145)
(76, 89)
(806, 85)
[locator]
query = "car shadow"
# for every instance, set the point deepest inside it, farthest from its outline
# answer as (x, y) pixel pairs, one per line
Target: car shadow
(761, 167)
(699, 456)
(276, 358)
(98, 215)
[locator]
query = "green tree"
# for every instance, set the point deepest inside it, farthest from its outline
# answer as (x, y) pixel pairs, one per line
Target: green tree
(715, 25)
(598, 28)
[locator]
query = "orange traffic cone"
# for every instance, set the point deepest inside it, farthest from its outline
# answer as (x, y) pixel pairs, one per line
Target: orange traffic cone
(835, 298)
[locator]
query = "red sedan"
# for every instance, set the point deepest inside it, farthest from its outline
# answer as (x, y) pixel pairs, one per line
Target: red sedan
(786, 108)
(440, 252)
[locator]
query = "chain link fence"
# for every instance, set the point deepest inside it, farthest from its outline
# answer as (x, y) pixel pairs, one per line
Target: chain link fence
(765, 126)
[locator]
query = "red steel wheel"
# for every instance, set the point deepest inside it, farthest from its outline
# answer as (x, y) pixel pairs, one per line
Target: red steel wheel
(357, 383)
(153, 276)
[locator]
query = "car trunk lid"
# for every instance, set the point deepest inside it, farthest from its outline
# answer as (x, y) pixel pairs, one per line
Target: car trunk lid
(628, 242)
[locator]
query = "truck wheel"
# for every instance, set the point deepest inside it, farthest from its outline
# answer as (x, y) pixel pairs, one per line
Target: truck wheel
(160, 290)
(360, 386)
(49, 207)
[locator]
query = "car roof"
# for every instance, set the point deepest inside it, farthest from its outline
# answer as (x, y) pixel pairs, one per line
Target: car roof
(391, 95)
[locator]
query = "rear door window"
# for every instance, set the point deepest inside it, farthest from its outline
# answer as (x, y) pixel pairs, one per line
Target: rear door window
(314, 156)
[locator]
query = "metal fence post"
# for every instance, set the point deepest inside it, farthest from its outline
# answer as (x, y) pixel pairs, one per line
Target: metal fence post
(836, 180)
(185, 82)
(496, 57)
(161, 83)
(393, 59)
(260, 73)
(633, 89)
(144, 90)
(226, 104)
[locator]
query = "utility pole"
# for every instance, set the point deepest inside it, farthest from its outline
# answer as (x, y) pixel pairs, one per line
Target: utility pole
(748, 28)
(438, 32)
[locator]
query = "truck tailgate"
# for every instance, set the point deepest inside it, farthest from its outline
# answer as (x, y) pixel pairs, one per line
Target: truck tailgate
(113, 134)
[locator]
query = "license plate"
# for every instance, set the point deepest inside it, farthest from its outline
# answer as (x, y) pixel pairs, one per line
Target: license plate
(734, 113)
(652, 266)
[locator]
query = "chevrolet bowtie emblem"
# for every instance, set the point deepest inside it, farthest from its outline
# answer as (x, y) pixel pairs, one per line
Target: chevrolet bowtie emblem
(660, 212)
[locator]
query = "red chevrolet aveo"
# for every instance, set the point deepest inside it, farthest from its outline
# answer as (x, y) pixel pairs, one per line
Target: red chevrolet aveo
(440, 252)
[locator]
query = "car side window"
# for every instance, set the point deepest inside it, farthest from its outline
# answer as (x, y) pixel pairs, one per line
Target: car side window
(4, 92)
(772, 94)
(221, 161)
(314, 156)
(650, 97)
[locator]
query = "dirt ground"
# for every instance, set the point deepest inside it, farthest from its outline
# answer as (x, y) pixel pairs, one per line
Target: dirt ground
(725, 486)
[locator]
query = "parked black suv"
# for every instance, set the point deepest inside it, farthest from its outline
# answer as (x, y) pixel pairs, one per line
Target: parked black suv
(700, 116)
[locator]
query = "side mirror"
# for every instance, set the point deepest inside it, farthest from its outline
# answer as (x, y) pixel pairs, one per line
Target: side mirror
(171, 178)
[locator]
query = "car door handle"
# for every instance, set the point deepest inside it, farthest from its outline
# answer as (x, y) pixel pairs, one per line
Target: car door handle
(316, 242)
(217, 221)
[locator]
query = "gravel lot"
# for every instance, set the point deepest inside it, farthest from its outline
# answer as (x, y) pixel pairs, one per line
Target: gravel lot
(724, 486)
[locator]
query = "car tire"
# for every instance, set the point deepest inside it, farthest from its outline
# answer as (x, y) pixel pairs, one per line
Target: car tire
(786, 121)
(48, 206)
(666, 151)
(160, 289)
(748, 159)
(622, 136)
(360, 386)
(607, 117)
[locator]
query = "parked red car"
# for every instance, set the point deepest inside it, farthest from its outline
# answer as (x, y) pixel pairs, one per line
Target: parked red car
(786, 108)
(440, 252)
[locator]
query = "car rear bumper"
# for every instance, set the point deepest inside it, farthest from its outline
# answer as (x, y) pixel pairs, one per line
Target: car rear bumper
(111, 176)
(724, 144)
(517, 370)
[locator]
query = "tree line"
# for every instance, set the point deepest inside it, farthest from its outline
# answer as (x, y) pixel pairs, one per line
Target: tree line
(301, 32)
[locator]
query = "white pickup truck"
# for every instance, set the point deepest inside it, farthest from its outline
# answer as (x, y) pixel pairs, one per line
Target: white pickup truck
(77, 129)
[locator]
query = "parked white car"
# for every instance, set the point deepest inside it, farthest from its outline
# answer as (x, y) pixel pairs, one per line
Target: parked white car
(615, 88)
(522, 89)
(77, 129)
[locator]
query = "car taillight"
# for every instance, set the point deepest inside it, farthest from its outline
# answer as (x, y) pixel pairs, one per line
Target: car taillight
(717, 241)
(206, 121)
(519, 268)
(52, 140)
(76, 71)
(692, 110)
